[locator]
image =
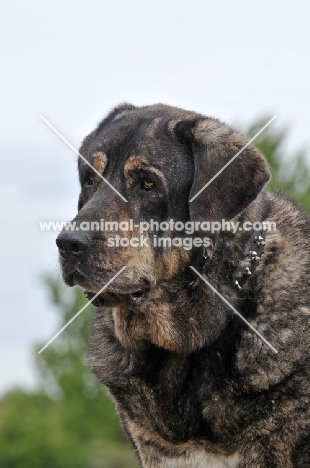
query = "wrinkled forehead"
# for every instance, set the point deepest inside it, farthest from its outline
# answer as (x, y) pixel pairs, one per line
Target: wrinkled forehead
(141, 138)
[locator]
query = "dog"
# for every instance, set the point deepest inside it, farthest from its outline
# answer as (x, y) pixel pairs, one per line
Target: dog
(193, 383)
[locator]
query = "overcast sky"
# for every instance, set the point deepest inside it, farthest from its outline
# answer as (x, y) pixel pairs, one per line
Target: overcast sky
(73, 61)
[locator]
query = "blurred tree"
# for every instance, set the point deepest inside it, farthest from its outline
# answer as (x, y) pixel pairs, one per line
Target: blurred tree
(64, 374)
(290, 172)
(70, 422)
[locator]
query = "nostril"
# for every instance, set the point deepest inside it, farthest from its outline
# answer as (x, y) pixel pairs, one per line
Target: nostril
(75, 247)
(60, 244)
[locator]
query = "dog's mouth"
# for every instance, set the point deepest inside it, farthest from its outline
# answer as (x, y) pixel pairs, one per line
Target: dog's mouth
(137, 296)
(110, 299)
(125, 292)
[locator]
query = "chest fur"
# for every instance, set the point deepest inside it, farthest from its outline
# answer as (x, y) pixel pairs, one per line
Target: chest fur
(202, 460)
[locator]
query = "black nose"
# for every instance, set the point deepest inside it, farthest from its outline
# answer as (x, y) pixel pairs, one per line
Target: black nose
(72, 243)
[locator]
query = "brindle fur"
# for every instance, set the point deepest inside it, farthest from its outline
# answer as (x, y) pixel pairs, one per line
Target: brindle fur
(193, 386)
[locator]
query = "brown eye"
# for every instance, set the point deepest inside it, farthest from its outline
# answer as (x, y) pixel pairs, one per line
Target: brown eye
(147, 184)
(89, 182)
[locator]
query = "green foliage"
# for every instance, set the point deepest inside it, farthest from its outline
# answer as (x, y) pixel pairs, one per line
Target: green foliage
(70, 421)
(290, 172)
(32, 434)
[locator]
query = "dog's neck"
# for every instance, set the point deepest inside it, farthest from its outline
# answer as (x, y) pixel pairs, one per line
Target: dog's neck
(250, 243)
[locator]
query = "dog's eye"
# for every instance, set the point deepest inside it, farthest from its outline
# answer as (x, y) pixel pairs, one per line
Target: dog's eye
(89, 182)
(147, 184)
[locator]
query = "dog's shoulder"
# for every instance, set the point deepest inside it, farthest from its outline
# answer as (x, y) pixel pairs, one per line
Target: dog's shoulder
(281, 301)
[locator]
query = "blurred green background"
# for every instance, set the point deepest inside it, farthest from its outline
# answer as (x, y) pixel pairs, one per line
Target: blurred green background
(69, 421)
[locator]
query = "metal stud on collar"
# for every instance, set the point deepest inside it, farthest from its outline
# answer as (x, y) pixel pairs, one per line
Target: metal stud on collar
(254, 256)
(261, 243)
(236, 283)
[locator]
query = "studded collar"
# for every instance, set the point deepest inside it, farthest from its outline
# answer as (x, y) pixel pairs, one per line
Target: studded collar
(253, 252)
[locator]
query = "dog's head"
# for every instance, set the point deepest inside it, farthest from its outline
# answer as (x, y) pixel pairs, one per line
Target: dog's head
(157, 158)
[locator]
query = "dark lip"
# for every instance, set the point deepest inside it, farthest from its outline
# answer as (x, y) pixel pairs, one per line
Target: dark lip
(69, 279)
(75, 278)
(103, 300)
(110, 299)
(132, 294)
(137, 297)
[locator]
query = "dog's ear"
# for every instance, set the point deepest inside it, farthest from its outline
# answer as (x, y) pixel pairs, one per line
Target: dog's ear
(213, 145)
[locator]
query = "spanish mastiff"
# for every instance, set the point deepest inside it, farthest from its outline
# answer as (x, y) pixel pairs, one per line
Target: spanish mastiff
(193, 385)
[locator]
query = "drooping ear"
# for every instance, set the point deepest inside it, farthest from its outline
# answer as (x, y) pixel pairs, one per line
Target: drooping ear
(232, 188)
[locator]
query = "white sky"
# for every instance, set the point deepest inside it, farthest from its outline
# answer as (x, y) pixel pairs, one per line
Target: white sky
(72, 61)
